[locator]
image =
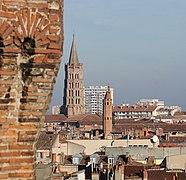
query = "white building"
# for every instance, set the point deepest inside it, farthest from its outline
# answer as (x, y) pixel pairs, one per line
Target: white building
(127, 112)
(55, 109)
(150, 102)
(94, 96)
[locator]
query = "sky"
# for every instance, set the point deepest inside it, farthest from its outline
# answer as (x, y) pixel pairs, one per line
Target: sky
(136, 46)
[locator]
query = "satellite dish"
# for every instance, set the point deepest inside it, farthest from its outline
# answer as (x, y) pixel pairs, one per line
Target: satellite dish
(154, 139)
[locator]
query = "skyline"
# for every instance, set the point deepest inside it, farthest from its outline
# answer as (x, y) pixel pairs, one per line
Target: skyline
(136, 47)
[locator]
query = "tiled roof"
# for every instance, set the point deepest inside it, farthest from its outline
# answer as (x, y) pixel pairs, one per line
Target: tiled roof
(87, 119)
(55, 118)
(161, 175)
(134, 170)
(83, 119)
(138, 125)
(45, 141)
(134, 108)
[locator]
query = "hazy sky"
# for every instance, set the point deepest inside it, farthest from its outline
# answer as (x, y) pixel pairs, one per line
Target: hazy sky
(137, 46)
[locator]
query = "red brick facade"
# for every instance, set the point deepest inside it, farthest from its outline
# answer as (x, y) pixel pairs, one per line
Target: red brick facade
(31, 40)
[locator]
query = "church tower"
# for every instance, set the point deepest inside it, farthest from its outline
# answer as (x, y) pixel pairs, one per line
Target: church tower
(73, 99)
(107, 114)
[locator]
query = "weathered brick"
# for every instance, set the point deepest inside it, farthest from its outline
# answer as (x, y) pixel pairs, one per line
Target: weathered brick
(11, 50)
(3, 176)
(7, 120)
(34, 113)
(7, 32)
(54, 46)
(35, 20)
(33, 106)
(6, 82)
(9, 154)
(28, 21)
(21, 23)
(7, 72)
(17, 42)
(47, 51)
(20, 147)
(4, 8)
(3, 27)
(12, 168)
(20, 36)
(3, 148)
(41, 80)
(28, 120)
(26, 139)
(8, 133)
(27, 153)
(21, 126)
(53, 30)
(53, 17)
(29, 31)
(42, 43)
(21, 160)
(19, 174)
(7, 14)
(51, 73)
(28, 100)
(43, 32)
(8, 42)
(53, 38)
(41, 23)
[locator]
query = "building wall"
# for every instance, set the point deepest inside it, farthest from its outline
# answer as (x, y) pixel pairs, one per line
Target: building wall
(92, 146)
(69, 168)
(94, 96)
(71, 148)
(176, 162)
(141, 153)
(30, 49)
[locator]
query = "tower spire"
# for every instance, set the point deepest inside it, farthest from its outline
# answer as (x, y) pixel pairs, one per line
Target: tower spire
(73, 59)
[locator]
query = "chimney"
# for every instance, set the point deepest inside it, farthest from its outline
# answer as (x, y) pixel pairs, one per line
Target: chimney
(53, 157)
(129, 159)
(145, 175)
(123, 171)
(167, 137)
(117, 168)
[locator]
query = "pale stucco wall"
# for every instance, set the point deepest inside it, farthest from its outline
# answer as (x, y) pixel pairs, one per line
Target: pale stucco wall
(176, 162)
(92, 146)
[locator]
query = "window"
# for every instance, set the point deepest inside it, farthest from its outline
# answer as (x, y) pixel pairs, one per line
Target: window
(110, 160)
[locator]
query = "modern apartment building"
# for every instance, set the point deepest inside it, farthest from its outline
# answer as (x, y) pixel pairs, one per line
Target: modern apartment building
(94, 96)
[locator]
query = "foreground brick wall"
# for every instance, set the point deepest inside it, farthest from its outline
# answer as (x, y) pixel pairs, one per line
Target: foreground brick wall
(31, 39)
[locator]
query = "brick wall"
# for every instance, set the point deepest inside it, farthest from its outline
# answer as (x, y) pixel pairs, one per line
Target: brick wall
(31, 40)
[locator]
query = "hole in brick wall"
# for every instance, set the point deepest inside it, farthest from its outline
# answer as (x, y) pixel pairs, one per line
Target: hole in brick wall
(1, 42)
(28, 46)
(1, 45)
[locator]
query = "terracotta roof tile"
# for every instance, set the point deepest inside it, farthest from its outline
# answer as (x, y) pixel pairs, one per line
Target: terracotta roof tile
(55, 118)
(134, 108)
(161, 174)
(45, 141)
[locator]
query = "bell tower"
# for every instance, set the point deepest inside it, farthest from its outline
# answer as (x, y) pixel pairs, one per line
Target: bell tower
(73, 99)
(107, 114)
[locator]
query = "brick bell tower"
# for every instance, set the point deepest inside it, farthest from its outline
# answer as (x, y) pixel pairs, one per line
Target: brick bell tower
(31, 40)
(107, 114)
(73, 99)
